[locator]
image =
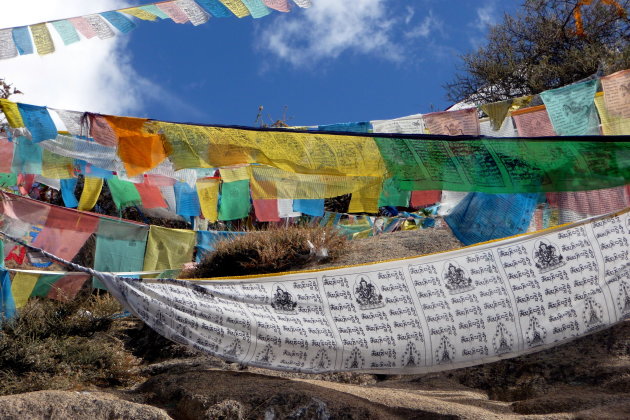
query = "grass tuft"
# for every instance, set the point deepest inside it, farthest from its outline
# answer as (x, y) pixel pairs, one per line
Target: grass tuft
(64, 345)
(270, 251)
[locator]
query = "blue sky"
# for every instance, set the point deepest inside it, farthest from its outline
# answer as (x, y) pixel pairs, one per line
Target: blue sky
(336, 62)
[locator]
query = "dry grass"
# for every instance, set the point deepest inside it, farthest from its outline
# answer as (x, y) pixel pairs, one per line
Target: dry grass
(54, 345)
(270, 251)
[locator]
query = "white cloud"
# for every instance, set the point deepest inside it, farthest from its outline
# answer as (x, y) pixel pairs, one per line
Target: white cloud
(429, 25)
(330, 28)
(486, 16)
(94, 75)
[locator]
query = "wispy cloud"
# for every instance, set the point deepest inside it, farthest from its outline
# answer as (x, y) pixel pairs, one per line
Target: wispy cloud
(90, 75)
(331, 28)
(429, 25)
(380, 28)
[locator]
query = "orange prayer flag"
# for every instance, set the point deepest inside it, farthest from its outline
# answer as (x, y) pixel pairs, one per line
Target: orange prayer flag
(139, 151)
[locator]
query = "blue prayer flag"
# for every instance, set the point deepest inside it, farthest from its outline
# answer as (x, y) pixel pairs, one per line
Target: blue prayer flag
(67, 192)
(353, 127)
(119, 21)
(6, 296)
(38, 121)
(215, 8)
(314, 207)
(187, 200)
(66, 31)
(22, 40)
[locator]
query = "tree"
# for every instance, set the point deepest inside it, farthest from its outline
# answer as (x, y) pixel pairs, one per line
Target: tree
(543, 46)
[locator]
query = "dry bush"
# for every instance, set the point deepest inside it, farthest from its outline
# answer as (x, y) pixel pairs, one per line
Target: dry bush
(70, 345)
(270, 251)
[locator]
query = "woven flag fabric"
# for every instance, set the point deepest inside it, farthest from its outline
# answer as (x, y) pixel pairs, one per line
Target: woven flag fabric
(22, 39)
(234, 202)
(119, 21)
(482, 217)
(42, 39)
(168, 248)
(67, 192)
(572, 110)
(66, 31)
(38, 121)
(215, 8)
(187, 200)
(124, 193)
(314, 207)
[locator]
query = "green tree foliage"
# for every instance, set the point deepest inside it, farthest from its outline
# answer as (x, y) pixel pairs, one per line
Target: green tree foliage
(539, 48)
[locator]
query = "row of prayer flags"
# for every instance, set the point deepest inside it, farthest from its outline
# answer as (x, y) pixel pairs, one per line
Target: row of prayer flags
(29, 39)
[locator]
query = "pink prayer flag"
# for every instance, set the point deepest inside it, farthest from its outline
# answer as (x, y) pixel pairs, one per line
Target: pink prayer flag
(102, 132)
(533, 122)
(266, 210)
(425, 198)
(84, 27)
(464, 122)
(67, 287)
(6, 155)
(25, 183)
(591, 203)
(65, 232)
(279, 5)
(159, 180)
(151, 196)
(617, 93)
(173, 11)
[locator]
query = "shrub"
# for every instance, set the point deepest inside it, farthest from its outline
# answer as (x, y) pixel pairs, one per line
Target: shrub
(270, 251)
(64, 345)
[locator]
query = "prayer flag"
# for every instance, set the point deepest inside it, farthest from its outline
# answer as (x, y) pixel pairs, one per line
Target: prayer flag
(533, 122)
(140, 13)
(38, 121)
(352, 127)
(119, 21)
(266, 210)
(168, 248)
(612, 125)
(208, 192)
(256, 8)
(91, 191)
(464, 122)
(234, 200)
(124, 193)
(279, 5)
(215, 8)
(12, 112)
(22, 286)
(196, 15)
(151, 195)
(120, 246)
(27, 157)
(237, 7)
(7, 45)
(102, 29)
(173, 11)
(152, 8)
(617, 93)
(187, 200)
(67, 192)
(425, 198)
(571, 109)
(66, 31)
(22, 39)
(84, 27)
(6, 296)
(313, 207)
(41, 38)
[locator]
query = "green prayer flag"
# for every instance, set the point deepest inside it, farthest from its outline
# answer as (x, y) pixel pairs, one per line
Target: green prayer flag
(234, 202)
(507, 165)
(124, 193)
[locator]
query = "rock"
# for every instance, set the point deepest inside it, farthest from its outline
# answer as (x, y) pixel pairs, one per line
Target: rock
(63, 405)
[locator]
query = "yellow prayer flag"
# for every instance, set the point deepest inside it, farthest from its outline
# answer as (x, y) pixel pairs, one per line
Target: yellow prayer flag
(235, 174)
(611, 125)
(22, 286)
(91, 191)
(168, 248)
(304, 153)
(139, 13)
(56, 166)
(365, 200)
(12, 112)
(237, 7)
(208, 192)
(42, 40)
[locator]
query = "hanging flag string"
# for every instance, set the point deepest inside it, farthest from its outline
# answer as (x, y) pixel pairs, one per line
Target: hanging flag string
(36, 37)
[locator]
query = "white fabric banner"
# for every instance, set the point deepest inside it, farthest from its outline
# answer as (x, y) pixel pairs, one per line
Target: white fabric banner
(431, 313)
